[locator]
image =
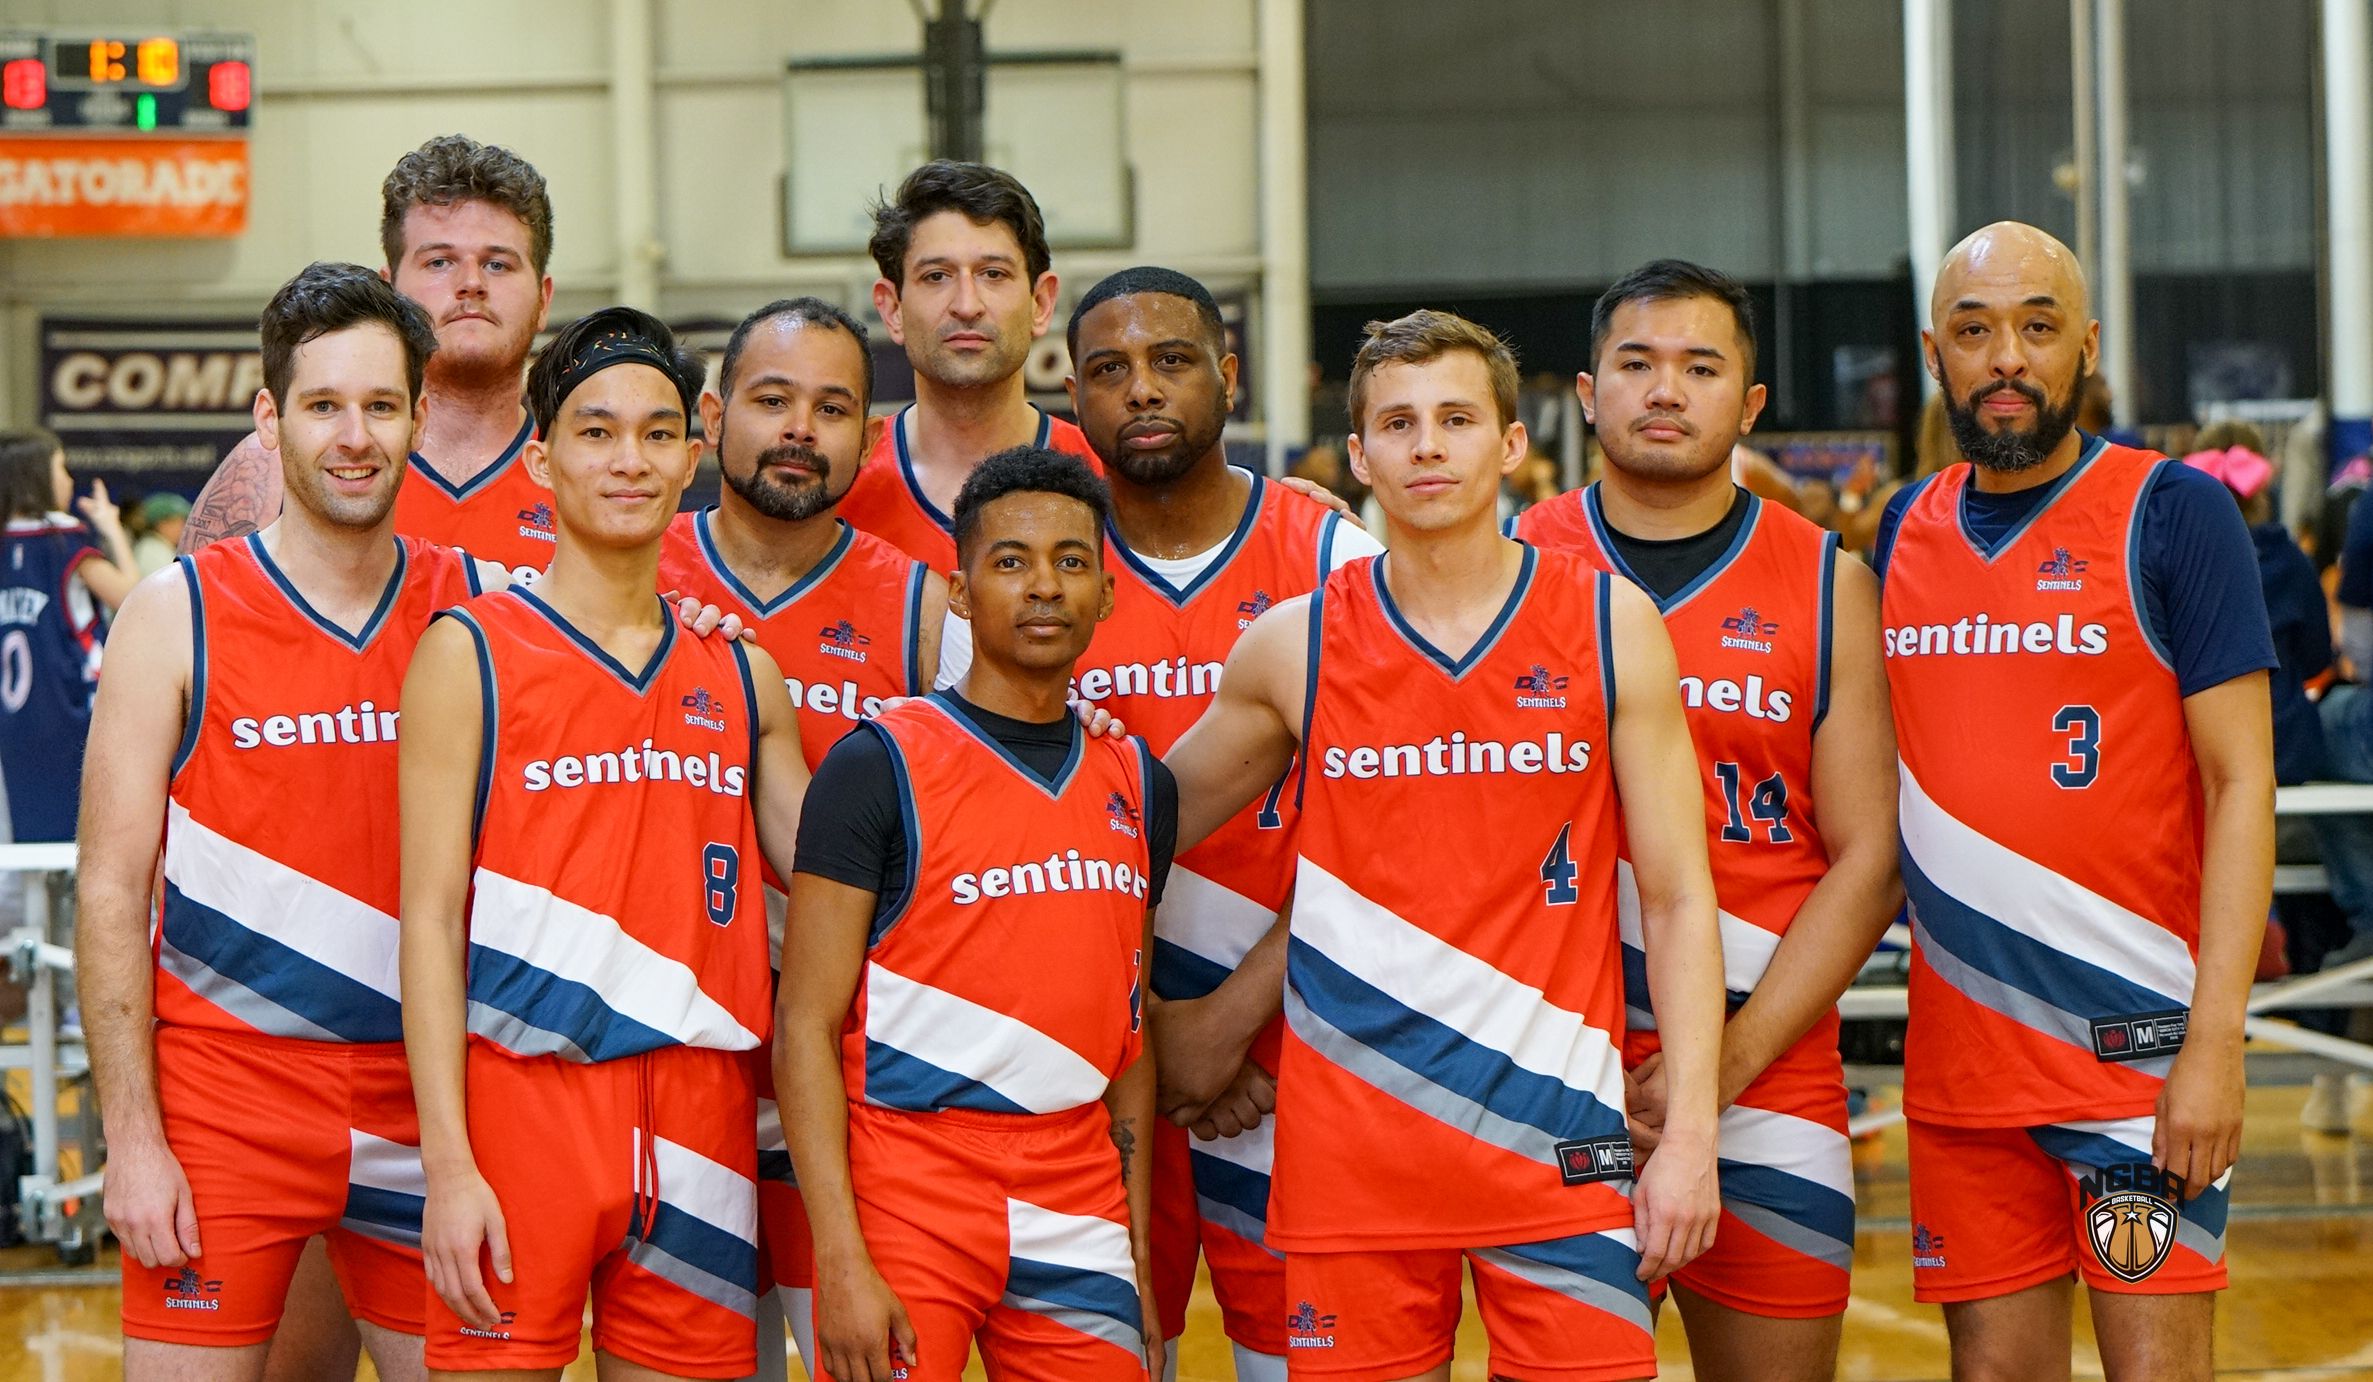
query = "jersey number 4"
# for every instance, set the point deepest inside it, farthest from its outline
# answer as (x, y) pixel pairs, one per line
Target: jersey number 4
(1559, 870)
(721, 881)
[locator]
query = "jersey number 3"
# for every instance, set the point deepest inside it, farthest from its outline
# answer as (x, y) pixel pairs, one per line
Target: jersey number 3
(721, 881)
(2082, 725)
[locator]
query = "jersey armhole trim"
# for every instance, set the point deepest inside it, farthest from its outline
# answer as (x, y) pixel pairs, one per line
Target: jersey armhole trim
(1882, 551)
(1606, 647)
(741, 663)
(886, 919)
(1317, 609)
(469, 571)
(2136, 601)
(1829, 549)
(486, 717)
(1144, 757)
(1326, 546)
(196, 714)
(915, 573)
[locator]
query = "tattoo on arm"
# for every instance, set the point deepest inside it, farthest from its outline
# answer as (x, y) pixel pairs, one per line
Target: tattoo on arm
(1124, 1136)
(242, 496)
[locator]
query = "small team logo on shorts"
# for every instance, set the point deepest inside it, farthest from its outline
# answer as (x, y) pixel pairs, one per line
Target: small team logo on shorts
(703, 710)
(536, 522)
(1253, 608)
(189, 1291)
(1306, 1328)
(2061, 572)
(1123, 816)
(841, 640)
(1928, 1249)
(1749, 630)
(498, 1332)
(1538, 688)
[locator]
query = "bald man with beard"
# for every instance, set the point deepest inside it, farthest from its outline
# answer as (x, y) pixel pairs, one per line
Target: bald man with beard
(2077, 653)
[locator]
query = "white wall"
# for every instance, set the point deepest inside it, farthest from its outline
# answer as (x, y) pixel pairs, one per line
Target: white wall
(345, 87)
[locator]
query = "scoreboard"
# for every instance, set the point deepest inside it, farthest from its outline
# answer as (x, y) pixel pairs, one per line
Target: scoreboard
(124, 83)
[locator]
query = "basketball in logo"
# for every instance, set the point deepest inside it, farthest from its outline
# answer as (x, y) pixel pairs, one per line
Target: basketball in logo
(2131, 1233)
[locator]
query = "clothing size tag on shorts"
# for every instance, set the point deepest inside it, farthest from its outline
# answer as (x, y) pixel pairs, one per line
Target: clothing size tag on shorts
(2140, 1036)
(1595, 1159)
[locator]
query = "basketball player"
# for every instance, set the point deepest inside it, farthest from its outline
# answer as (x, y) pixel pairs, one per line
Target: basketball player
(1778, 647)
(2077, 655)
(584, 800)
(1473, 714)
(966, 288)
(1197, 550)
(962, 990)
(248, 720)
(467, 230)
(851, 620)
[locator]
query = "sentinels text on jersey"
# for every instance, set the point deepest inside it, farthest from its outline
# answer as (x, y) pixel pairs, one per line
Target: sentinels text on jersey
(887, 500)
(498, 514)
(1752, 636)
(2054, 941)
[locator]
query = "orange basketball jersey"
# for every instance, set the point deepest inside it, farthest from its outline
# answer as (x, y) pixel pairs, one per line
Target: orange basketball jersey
(278, 912)
(887, 500)
(1010, 980)
(499, 513)
(2051, 808)
(1752, 638)
(848, 635)
(1454, 990)
(1155, 665)
(614, 905)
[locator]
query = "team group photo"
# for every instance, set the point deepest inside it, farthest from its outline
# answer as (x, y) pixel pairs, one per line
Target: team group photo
(1289, 689)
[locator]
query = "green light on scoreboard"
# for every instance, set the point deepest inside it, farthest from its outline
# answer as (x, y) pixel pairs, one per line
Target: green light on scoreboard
(144, 111)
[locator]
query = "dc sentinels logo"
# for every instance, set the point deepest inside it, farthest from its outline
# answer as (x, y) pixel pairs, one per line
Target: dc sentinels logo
(1253, 608)
(2130, 1215)
(1306, 1328)
(703, 710)
(2061, 572)
(1749, 630)
(1928, 1249)
(1123, 815)
(536, 522)
(1538, 688)
(841, 640)
(189, 1291)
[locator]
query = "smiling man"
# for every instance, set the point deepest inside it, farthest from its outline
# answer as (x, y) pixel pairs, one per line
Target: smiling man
(249, 721)
(2077, 651)
(585, 797)
(467, 231)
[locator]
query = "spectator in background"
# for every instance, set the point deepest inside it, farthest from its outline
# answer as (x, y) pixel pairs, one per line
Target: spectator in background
(56, 574)
(1535, 481)
(2294, 599)
(162, 515)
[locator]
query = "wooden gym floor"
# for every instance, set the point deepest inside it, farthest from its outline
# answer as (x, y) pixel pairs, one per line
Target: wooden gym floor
(2300, 1308)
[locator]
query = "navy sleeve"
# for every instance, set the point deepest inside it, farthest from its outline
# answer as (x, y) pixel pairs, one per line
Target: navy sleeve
(2356, 559)
(1161, 830)
(2200, 585)
(851, 829)
(1882, 545)
(2295, 603)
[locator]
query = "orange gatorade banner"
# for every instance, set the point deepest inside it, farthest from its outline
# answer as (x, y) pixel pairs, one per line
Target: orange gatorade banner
(162, 187)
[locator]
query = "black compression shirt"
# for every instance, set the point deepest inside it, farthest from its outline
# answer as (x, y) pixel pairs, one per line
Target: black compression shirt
(1668, 564)
(851, 832)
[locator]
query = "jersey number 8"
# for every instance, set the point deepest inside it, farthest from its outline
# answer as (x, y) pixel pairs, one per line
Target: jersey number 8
(721, 880)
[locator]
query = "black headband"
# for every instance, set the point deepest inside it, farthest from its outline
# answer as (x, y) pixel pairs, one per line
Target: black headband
(619, 348)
